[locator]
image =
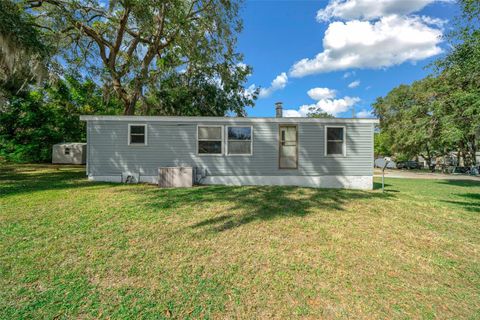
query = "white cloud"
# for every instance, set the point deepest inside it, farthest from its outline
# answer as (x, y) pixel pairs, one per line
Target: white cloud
(370, 9)
(292, 114)
(354, 84)
(326, 103)
(301, 112)
(389, 41)
(330, 106)
(321, 93)
(336, 106)
(364, 114)
(437, 22)
(278, 83)
(348, 74)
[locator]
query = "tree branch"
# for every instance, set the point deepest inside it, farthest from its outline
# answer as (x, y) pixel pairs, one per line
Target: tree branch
(129, 54)
(118, 42)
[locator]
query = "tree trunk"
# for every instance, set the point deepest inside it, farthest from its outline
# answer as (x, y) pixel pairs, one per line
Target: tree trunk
(129, 109)
(429, 159)
(129, 101)
(474, 155)
(473, 151)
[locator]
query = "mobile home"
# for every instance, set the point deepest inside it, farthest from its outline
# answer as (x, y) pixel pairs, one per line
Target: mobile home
(327, 153)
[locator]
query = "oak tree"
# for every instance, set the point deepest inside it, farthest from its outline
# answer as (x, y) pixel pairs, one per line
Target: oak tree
(132, 46)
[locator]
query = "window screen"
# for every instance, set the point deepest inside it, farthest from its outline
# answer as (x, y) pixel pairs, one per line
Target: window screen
(239, 140)
(67, 151)
(209, 140)
(335, 141)
(137, 134)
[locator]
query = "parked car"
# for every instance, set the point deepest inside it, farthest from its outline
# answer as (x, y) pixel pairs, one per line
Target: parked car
(408, 165)
(474, 171)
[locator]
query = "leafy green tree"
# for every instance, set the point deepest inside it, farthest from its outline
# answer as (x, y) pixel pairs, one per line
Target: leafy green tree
(27, 131)
(440, 113)
(198, 93)
(32, 121)
(23, 54)
(470, 17)
(382, 144)
(409, 119)
(134, 47)
(459, 85)
(318, 113)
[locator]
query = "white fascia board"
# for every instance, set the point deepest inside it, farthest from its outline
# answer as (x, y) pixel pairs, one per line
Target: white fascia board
(225, 119)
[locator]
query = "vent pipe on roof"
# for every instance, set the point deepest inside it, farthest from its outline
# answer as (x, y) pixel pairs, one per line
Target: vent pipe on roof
(278, 109)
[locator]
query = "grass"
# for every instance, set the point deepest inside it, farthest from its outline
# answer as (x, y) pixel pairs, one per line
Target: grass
(70, 248)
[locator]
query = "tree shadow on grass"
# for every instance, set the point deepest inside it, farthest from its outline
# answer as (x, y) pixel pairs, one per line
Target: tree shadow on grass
(378, 186)
(244, 205)
(461, 183)
(22, 179)
(471, 203)
(471, 200)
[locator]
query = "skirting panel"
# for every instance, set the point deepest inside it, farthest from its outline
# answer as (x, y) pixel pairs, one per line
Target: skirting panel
(347, 182)
(118, 178)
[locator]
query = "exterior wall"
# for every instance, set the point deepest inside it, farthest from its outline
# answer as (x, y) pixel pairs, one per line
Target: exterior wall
(175, 144)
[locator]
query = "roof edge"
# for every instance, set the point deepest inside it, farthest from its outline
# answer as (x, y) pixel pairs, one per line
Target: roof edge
(224, 119)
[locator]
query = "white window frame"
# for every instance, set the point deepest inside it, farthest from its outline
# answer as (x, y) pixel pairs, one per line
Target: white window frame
(227, 140)
(130, 125)
(222, 140)
(344, 147)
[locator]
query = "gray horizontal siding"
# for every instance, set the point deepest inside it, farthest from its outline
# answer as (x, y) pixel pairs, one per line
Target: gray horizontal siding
(173, 144)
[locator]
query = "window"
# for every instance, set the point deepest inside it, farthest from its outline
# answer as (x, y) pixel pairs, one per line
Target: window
(210, 140)
(335, 144)
(239, 140)
(67, 151)
(137, 134)
(288, 149)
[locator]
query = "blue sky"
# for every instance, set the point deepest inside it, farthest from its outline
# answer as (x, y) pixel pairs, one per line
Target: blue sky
(377, 43)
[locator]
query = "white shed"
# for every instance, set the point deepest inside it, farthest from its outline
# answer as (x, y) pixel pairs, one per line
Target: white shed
(380, 162)
(69, 153)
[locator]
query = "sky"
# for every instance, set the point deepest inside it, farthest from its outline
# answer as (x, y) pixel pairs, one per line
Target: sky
(339, 55)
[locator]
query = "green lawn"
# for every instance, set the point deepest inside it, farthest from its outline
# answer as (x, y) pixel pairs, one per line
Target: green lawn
(70, 248)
